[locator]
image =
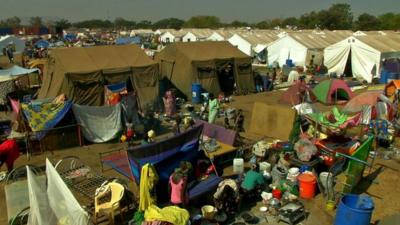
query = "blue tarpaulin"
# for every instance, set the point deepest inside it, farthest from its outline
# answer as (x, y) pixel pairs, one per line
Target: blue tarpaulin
(42, 44)
(43, 116)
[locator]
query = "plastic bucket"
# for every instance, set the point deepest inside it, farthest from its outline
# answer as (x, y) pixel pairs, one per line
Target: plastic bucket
(196, 93)
(264, 166)
(326, 179)
(307, 185)
(238, 166)
(354, 209)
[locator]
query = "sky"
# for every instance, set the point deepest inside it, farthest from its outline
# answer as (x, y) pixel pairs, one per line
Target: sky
(153, 10)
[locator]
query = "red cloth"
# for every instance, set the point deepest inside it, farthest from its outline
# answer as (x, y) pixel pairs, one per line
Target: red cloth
(11, 150)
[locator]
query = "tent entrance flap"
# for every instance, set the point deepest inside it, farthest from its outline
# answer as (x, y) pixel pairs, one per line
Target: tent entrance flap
(226, 77)
(340, 95)
(348, 70)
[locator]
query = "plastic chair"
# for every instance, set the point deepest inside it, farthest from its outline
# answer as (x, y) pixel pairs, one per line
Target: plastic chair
(111, 207)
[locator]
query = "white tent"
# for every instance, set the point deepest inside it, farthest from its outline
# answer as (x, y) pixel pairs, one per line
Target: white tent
(17, 42)
(366, 53)
(56, 205)
(287, 48)
(300, 46)
(241, 43)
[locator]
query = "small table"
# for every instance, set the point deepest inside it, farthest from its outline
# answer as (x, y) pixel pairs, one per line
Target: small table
(222, 154)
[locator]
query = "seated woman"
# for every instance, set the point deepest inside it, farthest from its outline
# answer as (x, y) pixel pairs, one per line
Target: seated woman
(253, 180)
(227, 197)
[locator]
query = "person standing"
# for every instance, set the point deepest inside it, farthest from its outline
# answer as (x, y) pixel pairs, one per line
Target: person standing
(169, 103)
(178, 185)
(213, 107)
(10, 54)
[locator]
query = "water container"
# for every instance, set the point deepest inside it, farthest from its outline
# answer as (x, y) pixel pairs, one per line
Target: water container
(264, 166)
(196, 93)
(354, 209)
(238, 165)
(326, 179)
(307, 185)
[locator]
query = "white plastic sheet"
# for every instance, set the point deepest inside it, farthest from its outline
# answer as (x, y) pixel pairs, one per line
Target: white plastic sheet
(63, 203)
(40, 212)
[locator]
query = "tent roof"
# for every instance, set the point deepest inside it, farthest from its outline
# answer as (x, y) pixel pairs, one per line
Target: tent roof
(201, 33)
(382, 43)
(319, 40)
(257, 37)
(100, 57)
(207, 50)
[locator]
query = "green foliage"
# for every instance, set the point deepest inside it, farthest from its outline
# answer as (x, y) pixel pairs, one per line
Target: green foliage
(122, 23)
(36, 21)
(367, 22)
(144, 24)
(63, 23)
(169, 23)
(203, 22)
(96, 23)
(389, 21)
(12, 22)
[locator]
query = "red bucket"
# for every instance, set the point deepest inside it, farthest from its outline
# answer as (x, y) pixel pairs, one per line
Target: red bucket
(307, 183)
(277, 194)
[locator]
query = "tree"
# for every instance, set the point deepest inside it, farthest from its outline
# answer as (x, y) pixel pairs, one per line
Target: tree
(203, 22)
(63, 23)
(266, 24)
(123, 23)
(237, 23)
(36, 21)
(96, 23)
(337, 17)
(144, 24)
(290, 21)
(169, 23)
(389, 21)
(13, 22)
(309, 20)
(367, 22)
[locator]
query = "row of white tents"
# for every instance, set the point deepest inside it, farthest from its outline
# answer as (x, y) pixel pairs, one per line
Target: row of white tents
(364, 51)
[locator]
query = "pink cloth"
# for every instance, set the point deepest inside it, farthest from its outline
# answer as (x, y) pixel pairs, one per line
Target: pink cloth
(176, 191)
(15, 105)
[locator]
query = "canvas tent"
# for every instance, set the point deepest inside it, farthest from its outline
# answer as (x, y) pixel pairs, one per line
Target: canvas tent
(330, 91)
(81, 73)
(187, 63)
(301, 46)
(361, 56)
(15, 41)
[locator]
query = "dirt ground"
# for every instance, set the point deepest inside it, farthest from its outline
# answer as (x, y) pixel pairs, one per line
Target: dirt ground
(383, 184)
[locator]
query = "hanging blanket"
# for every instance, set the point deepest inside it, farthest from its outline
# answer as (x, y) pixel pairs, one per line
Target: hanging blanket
(99, 123)
(44, 116)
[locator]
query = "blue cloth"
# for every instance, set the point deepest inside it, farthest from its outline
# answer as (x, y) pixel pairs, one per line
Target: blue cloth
(166, 155)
